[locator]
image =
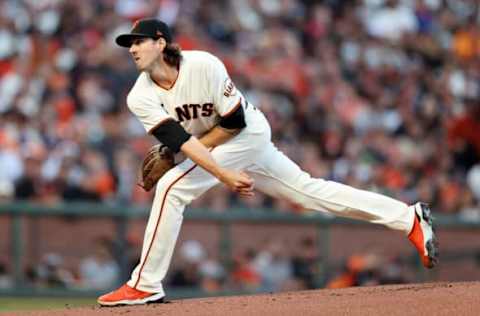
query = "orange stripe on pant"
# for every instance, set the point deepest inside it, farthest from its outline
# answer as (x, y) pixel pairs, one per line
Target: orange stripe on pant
(158, 222)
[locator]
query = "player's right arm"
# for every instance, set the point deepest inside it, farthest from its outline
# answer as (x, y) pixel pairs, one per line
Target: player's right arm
(174, 136)
(238, 182)
(169, 132)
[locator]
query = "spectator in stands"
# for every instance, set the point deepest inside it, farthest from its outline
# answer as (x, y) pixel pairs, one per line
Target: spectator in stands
(6, 191)
(187, 272)
(51, 272)
(29, 185)
(6, 280)
(213, 275)
(360, 269)
(305, 262)
(99, 271)
(196, 269)
(274, 266)
(392, 272)
(368, 269)
(464, 135)
(244, 276)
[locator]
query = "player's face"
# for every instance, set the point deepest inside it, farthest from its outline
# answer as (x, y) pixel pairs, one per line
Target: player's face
(145, 52)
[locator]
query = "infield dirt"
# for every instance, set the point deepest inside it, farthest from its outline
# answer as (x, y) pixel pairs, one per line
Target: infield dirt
(462, 298)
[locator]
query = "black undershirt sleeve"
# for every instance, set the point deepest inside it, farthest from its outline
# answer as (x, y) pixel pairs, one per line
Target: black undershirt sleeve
(171, 134)
(234, 120)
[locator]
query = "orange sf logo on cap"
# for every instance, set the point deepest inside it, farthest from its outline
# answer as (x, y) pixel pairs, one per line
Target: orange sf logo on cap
(135, 24)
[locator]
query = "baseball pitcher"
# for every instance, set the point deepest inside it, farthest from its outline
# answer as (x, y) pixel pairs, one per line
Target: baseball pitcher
(188, 102)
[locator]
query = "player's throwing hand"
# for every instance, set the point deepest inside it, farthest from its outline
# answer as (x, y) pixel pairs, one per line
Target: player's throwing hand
(238, 181)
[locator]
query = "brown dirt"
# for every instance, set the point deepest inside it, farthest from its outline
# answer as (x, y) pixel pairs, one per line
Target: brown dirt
(409, 299)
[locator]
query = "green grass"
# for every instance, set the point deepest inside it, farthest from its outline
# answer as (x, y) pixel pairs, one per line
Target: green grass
(9, 304)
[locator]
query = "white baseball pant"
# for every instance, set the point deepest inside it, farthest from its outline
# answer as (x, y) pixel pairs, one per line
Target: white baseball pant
(274, 173)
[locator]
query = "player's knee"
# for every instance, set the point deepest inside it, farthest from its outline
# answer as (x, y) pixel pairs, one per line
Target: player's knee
(302, 201)
(179, 196)
(166, 182)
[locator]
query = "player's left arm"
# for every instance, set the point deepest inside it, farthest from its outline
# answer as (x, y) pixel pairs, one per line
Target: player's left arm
(217, 136)
(228, 127)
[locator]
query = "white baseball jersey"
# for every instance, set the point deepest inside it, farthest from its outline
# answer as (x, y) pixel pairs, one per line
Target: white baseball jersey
(201, 95)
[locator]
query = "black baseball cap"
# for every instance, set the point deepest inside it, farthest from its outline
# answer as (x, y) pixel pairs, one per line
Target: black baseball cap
(152, 28)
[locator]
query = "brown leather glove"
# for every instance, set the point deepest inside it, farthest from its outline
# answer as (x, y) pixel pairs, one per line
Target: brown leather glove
(158, 161)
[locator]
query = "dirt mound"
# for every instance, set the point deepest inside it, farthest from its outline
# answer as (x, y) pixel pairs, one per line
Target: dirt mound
(408, 299)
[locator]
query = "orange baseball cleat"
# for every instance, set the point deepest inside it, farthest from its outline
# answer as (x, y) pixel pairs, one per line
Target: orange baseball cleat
(127, 295)
(423, 236)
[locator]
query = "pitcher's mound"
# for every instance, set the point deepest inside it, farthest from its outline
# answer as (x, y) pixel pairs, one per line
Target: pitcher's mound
(407, 299)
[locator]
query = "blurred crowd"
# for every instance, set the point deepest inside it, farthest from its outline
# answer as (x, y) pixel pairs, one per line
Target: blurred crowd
(378, 94)
(272, 266)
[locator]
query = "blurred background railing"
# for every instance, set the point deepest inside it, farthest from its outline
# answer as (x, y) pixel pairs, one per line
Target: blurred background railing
(226, 250)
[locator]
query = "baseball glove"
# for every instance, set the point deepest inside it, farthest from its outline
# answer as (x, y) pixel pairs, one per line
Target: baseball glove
(158, 161)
